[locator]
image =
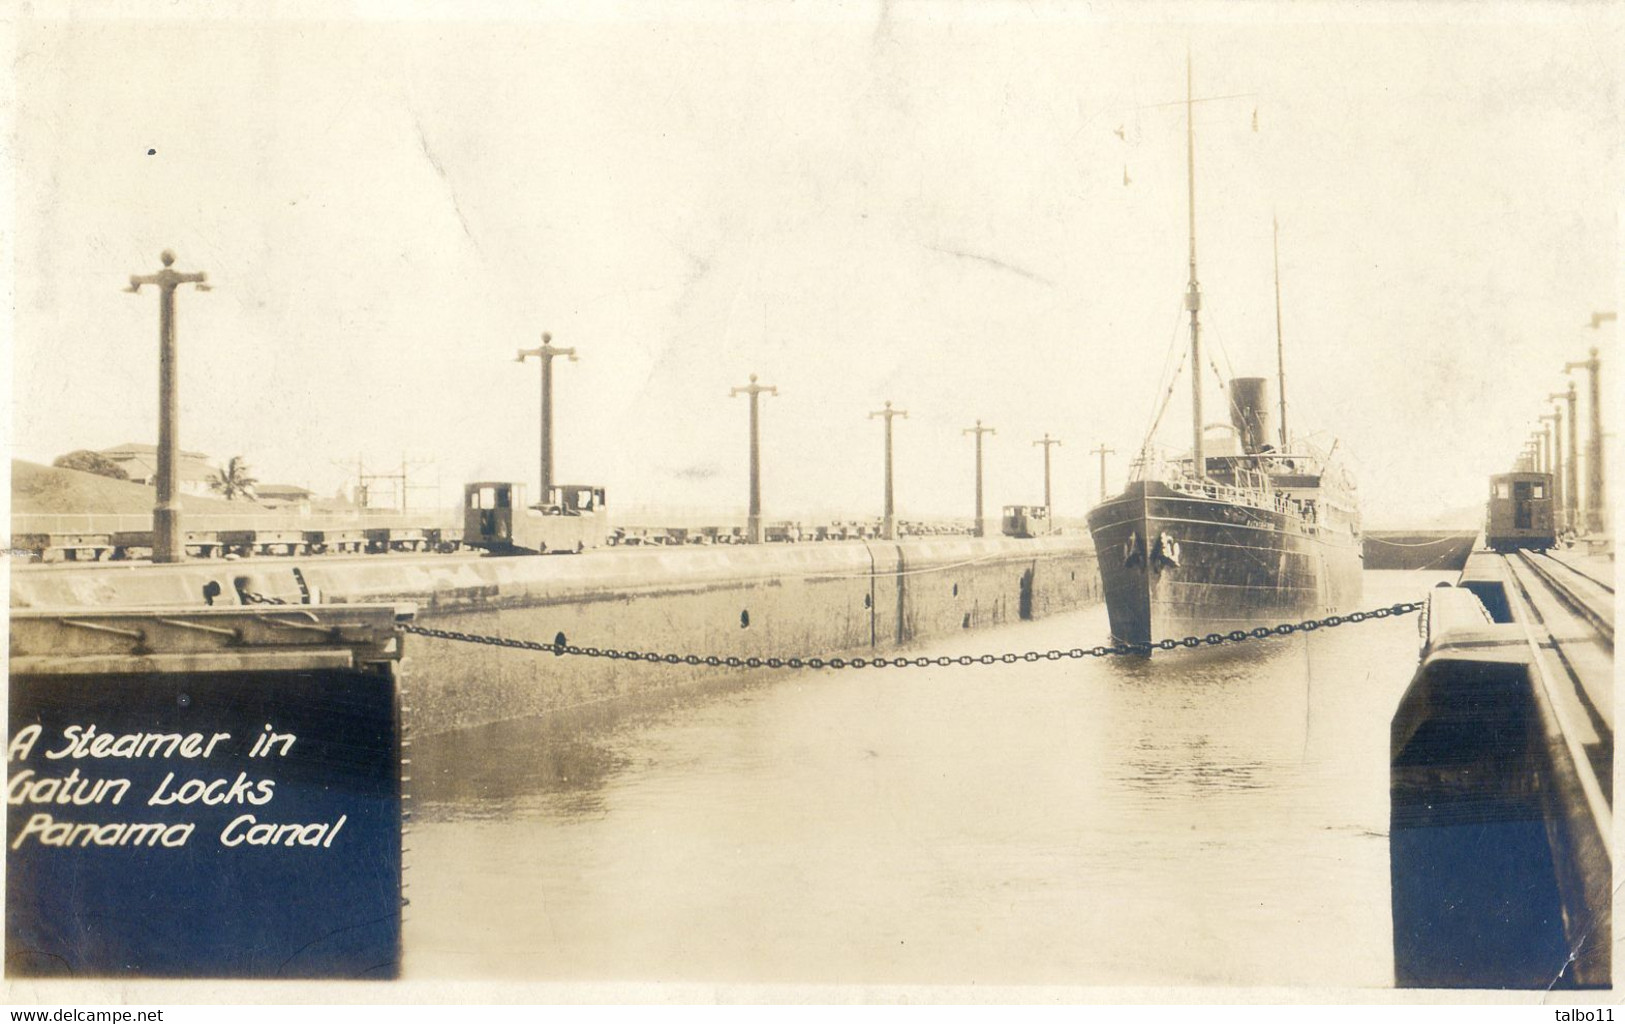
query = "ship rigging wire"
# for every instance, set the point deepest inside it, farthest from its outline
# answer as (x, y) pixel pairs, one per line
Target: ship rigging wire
(1168, 361)
(1173, 346)
(1168, 393)
(1166, 398)
(1216, 335)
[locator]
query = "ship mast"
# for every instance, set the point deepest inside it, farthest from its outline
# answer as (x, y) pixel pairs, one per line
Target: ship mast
(1193, 297)
(1280, 347)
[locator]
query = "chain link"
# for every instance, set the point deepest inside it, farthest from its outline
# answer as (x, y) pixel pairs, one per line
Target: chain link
(920, 661)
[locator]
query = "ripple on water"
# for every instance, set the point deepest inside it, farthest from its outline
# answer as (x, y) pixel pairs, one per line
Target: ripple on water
(1208, 817)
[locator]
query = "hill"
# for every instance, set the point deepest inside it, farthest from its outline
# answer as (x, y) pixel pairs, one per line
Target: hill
(49, 490)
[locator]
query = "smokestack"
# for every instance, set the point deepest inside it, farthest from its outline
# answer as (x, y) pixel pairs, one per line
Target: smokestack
(1250, 412)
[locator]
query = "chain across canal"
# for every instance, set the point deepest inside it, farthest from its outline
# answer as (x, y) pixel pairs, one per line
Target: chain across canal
(1010, 658)
(1235, 636)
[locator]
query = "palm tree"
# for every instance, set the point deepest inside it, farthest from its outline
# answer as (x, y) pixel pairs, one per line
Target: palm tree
(233, 480)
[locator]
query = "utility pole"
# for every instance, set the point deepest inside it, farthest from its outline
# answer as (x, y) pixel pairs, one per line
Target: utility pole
(168, 545)
(406, 487)
(360, 494)
(1571, 487)
(980, 530)
(546, 353)
(1554, 442)
(888, 527)
(1048, 442)
(753, 522)
(365, 488)
(1594, 475)
(1103, 451)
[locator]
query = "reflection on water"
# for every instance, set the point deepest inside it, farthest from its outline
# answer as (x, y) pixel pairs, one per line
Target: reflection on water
(1208, 817)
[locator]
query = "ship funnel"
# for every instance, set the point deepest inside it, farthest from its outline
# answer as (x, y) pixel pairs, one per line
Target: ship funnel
(1250, 412)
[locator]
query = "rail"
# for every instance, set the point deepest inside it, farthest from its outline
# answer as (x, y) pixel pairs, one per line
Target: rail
(1501, 758)
(211, 522)
(1573, 597)
(1280, 501)
(1569, 728)
(1603, 584)
(95, 537)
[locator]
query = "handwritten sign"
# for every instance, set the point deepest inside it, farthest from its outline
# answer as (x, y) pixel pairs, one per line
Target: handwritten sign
(212, 825)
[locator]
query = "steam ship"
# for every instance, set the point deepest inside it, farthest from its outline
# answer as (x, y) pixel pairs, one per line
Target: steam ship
(1246, 531)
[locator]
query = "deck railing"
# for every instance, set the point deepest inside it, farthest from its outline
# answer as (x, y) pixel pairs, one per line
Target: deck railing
(1255, 489)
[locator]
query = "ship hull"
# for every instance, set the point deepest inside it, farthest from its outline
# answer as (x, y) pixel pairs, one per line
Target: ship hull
(1174, 565)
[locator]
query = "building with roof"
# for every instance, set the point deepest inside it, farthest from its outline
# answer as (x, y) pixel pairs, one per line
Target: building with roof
(283, 496)
(140, 461)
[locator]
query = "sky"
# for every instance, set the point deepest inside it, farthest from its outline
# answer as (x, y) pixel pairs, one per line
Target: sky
(975, 211)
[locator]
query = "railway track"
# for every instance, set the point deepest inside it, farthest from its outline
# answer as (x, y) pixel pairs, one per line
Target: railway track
(1568, 621)
(1514, 715)
(1607, 585)
(1582, 593)
(121, 546)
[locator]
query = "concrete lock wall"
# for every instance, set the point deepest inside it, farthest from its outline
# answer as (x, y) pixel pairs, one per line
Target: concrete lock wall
(779, 601)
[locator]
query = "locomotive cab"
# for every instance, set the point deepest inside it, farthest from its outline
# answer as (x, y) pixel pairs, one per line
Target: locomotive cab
(1027, 521)
(496, 518)
(574, 500)
(1520, 512)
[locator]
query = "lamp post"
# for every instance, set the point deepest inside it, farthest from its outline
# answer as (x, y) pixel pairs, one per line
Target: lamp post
(888, 527)
(1049, 503)
(1571, 487)
(1103, 451)
(168, 545)
(1594, 473)
(546, 353)
(753, 521)
(1554, 440)
(980, 529)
